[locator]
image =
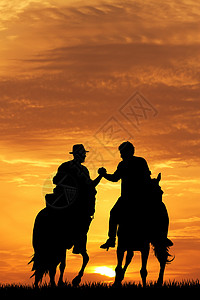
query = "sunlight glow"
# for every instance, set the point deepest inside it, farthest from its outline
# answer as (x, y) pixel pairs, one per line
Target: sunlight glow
(105, 271)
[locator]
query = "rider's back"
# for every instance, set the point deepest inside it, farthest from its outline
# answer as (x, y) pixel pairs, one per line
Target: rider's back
(134, 174)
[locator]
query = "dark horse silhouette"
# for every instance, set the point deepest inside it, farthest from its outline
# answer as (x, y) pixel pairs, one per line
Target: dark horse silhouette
(137, 236)
(66, 219)
(53, 233)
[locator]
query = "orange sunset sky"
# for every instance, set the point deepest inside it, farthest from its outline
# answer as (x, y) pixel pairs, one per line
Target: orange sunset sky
(98, 73)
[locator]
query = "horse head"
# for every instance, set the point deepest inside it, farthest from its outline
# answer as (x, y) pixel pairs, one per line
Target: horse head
(156, 191)
(158, 177)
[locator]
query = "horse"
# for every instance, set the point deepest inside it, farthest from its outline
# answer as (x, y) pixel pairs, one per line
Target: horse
(153, 230)
(54, 232)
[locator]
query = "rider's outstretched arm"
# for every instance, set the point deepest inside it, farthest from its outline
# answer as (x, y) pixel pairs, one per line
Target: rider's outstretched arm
(112, 177)
(97, 180)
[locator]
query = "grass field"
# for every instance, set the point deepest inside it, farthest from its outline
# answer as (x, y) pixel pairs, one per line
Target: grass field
(96, 289)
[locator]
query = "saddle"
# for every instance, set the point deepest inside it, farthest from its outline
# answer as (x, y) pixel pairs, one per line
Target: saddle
(62, 197)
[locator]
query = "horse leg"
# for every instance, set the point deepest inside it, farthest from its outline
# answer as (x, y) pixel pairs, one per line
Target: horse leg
(52, 273)
(143, 271)
(161, 252)
(162, 255)
(36, 282)
(119, 274)
(161, 274)
(62, 269)
(77, 279)
(129, 257)
(38, 278)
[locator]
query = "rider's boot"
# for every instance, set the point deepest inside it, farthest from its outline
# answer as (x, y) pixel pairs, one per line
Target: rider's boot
(169, 243)
(110, 243)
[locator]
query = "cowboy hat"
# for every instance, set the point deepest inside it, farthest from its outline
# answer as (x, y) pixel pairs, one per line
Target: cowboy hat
(78, 148)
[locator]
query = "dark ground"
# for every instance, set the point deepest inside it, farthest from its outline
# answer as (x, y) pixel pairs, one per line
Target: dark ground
(94, 290)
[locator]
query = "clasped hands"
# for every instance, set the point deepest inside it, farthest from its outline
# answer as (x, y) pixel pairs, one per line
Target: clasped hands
(102, 171)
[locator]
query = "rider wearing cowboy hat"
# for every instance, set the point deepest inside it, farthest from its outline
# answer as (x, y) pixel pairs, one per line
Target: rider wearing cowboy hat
(74, 175)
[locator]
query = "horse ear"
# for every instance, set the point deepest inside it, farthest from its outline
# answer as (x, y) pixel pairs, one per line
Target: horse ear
(159, 177)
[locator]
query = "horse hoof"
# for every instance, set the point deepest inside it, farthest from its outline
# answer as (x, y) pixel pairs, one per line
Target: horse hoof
(117, 284)
(52, 285)
(61, 283)
(119, 274)
(76, 281)
(159, 283)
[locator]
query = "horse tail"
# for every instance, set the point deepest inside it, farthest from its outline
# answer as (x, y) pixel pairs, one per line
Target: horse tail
(39, 257)
(161, 251)
(38, 267)
(161, 244)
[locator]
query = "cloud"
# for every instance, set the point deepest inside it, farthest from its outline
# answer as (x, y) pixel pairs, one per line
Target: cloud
(54, 25)
(171, 65)
(187, 232)
(187, 220)
(60, 109)
(109, 186)
(41, 163)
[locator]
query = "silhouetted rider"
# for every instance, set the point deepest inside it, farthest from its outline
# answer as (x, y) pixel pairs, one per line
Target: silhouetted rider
(72, 175)
(135, 175)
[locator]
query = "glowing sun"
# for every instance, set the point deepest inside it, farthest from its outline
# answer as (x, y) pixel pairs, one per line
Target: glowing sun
(105, 271)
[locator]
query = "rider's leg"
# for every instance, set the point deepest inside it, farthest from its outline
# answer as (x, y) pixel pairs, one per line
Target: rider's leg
(113, 223)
